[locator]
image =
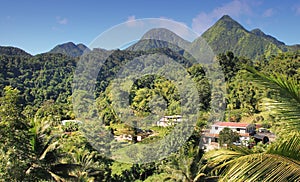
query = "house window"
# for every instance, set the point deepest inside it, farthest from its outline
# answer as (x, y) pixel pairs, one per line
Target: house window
(216, 128)
(237, 129)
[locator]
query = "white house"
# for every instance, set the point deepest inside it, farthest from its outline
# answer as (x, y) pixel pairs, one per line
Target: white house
(245, 130)
(240, 128)
(169, 120)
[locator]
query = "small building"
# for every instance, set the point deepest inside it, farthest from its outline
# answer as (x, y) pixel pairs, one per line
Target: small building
(64, 122)
(240, 128)
(245, 131)
(169, 120)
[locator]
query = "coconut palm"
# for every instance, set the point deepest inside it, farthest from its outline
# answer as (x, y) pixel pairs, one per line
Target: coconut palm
(281, 160)
(90, 168)
(185, 165)
(45, 160)
(287, 103)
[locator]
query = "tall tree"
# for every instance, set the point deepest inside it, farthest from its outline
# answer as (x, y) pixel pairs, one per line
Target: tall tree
(46, 160)
(185, 165)
(14, 138)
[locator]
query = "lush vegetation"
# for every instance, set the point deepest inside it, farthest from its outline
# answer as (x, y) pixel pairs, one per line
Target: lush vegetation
(280, 160)
(36, 96)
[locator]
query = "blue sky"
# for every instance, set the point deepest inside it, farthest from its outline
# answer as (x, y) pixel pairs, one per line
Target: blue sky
(38, 25)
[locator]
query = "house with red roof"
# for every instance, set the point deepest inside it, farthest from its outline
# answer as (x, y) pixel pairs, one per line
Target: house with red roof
(245, 130)
(241, 128)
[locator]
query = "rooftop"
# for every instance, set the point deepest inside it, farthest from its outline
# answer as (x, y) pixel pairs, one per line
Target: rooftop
(231, 124)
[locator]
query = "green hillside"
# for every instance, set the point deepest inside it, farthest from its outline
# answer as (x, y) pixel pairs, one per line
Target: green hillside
(227, 34)
(13, 51)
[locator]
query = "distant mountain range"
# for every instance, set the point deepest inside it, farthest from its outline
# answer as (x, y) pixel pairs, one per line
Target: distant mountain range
(225, 35)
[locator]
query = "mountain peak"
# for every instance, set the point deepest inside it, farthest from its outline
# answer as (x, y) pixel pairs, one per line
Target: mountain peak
(162, 33)
(258, 31)
(227, 34)
(228, 23)
(226, 17)
(159, 38)
(70, 49)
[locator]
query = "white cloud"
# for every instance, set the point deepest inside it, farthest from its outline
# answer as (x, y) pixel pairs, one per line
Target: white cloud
(235, 8)
(62, 21)
(202, 22)
(131, 18)
(131, 21)
(268, 12)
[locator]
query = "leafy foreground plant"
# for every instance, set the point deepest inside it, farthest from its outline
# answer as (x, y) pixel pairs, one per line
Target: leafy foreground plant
(45, 160)
(287, 102)
(280, 162)
(186, 166)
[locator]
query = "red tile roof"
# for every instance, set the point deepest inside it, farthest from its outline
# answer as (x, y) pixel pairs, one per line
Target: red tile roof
(231, 124)
(217, 135)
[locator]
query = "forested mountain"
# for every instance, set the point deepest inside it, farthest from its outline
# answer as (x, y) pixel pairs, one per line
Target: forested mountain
(48, 76)
(39, 78)
(159, 38)
(227, 34)
(260, 33)
(70, 49)
(12, 51)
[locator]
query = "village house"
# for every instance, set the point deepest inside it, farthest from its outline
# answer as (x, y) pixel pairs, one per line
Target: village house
(169, 120)
(245, 131)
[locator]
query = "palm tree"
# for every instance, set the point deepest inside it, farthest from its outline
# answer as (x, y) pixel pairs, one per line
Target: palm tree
(88, 167)
(45, 160)
(185, 165)
(287, 103)
(281, 160)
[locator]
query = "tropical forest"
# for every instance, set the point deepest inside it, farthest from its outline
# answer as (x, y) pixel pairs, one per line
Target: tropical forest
(252, 134)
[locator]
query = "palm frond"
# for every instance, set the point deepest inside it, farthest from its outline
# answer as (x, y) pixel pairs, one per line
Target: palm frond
(280, 162)
(289, 87)
(287, 103)
(261, 167)
(49, 148)
(221, 156)
(56, 177)
(289, 146)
